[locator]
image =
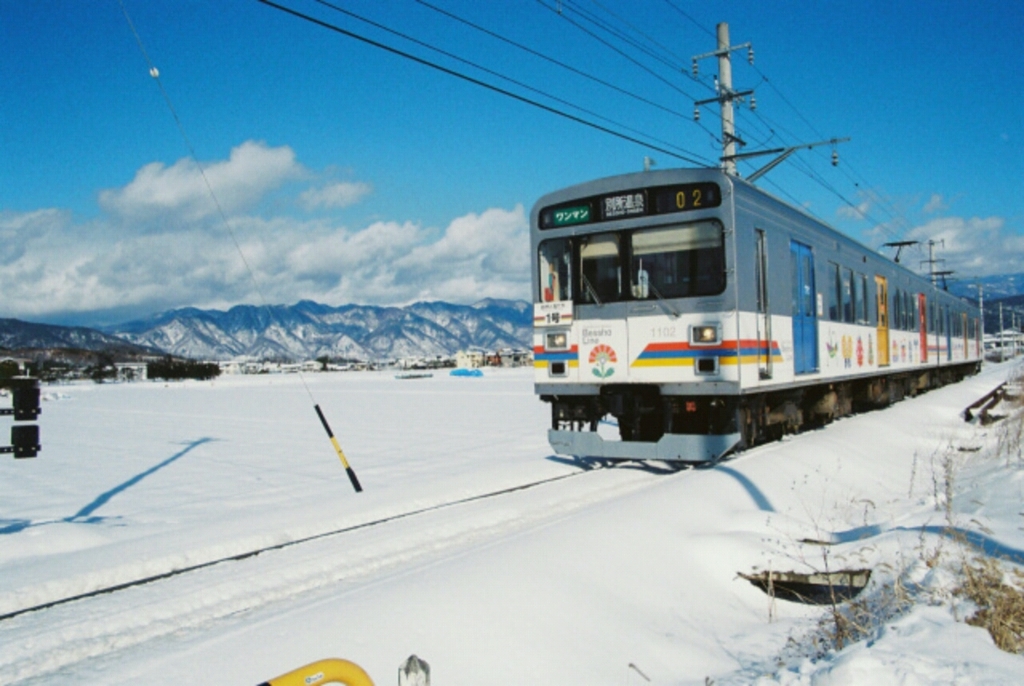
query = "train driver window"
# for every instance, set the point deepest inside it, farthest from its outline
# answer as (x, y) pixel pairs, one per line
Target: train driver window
(678, 261)
(555, 270)
(600, 268)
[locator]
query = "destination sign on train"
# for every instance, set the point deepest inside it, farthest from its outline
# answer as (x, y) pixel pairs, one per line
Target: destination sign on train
(633, 203)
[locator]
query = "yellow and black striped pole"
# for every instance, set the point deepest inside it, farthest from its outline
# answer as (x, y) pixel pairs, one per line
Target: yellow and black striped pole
(337, 449)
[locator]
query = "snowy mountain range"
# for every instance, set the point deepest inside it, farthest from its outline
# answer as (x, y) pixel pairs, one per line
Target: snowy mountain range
(994, 287)
(20, 335)
(307, 330)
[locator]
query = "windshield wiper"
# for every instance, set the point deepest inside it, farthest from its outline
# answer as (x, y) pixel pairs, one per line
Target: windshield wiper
(662, 301)
(593, 292)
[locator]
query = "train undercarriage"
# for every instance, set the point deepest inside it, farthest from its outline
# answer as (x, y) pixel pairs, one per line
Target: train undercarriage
(700, 428)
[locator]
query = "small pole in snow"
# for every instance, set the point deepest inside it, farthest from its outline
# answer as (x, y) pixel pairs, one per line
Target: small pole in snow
(637, 670)
(337, 449)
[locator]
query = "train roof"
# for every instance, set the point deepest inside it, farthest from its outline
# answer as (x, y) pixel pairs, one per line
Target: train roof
(740, 187)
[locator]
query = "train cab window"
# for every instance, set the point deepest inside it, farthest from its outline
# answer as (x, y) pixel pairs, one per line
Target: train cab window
(678, 261)
(555, 270)
(600, 268)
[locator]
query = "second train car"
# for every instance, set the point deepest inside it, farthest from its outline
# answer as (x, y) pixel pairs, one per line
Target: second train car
(682, 314)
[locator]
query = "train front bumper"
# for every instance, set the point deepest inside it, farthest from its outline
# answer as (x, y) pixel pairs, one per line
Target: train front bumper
(670, 447)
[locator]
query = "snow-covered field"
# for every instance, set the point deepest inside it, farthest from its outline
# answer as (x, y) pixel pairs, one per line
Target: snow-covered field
(568, 581)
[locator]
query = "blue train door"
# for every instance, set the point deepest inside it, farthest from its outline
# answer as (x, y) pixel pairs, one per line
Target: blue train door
(805, 313)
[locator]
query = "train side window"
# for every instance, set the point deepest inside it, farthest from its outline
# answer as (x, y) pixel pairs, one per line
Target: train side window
(761, 271)
(834, 287)
(600, 268)
(861, 298)
(555, 270)
(678, 261)
(848, 301)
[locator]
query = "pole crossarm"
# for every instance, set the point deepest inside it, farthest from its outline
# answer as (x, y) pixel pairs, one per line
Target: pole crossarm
(782, 153)
(723, 51)
(730, 95)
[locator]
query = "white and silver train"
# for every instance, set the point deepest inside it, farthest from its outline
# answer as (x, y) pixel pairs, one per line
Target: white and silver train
(705, 315)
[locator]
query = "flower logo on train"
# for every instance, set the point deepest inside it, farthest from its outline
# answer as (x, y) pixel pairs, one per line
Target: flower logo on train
(602, 357)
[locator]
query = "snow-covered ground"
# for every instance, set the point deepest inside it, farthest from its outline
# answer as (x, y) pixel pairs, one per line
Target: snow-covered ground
(569, 581)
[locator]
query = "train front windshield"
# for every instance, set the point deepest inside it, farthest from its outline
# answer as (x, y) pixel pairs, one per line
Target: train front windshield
(677, 261)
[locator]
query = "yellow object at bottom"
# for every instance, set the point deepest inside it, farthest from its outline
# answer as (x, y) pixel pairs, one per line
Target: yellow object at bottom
(328, 671)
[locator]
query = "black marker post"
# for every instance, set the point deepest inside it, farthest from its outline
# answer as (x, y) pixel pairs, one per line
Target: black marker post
(337, 449)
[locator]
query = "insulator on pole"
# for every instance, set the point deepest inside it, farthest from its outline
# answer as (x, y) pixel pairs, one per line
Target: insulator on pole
(750, 54)
(753, 102)
(696, 113)
(835, 158)
(695, 70)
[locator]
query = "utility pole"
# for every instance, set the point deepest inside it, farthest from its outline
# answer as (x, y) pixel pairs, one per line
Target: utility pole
(931, 261)
(725, 95)
(1002, 350)
(981, 306)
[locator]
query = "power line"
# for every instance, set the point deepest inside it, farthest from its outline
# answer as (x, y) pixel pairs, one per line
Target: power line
(645, 36)
(613, 30)
(690, 18)
(155, 73)
(492, 72)
(550, 59)
(611, 47)
(478, 82)
(621, 53)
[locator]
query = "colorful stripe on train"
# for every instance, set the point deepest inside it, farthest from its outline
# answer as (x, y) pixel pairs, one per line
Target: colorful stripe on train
(684, 354)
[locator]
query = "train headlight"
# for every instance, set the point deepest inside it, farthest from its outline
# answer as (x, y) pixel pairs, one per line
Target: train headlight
(704, 335)
(556, 340)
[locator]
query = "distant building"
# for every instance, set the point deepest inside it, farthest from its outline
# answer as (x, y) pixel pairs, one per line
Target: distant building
(470, 359)
(131, 371)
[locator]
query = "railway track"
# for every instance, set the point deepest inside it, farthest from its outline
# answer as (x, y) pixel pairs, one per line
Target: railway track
(54, 636)
(279, 546)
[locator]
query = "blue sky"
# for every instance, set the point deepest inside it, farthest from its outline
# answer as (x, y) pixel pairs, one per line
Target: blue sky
(350, 174)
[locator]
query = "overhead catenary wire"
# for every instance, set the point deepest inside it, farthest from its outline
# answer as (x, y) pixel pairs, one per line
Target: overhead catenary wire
(492, 72)
(692, 158)
(894, 214)
(607, 44)
(675, 69)
(551, 60)
(658, 53)
(155, 73)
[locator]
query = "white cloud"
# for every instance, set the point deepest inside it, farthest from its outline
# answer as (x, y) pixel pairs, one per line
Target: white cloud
(973, 246)
(162, 245)
(179, 194)
(335, 195)
(935, 204)
(858, 211)
(125, 265)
